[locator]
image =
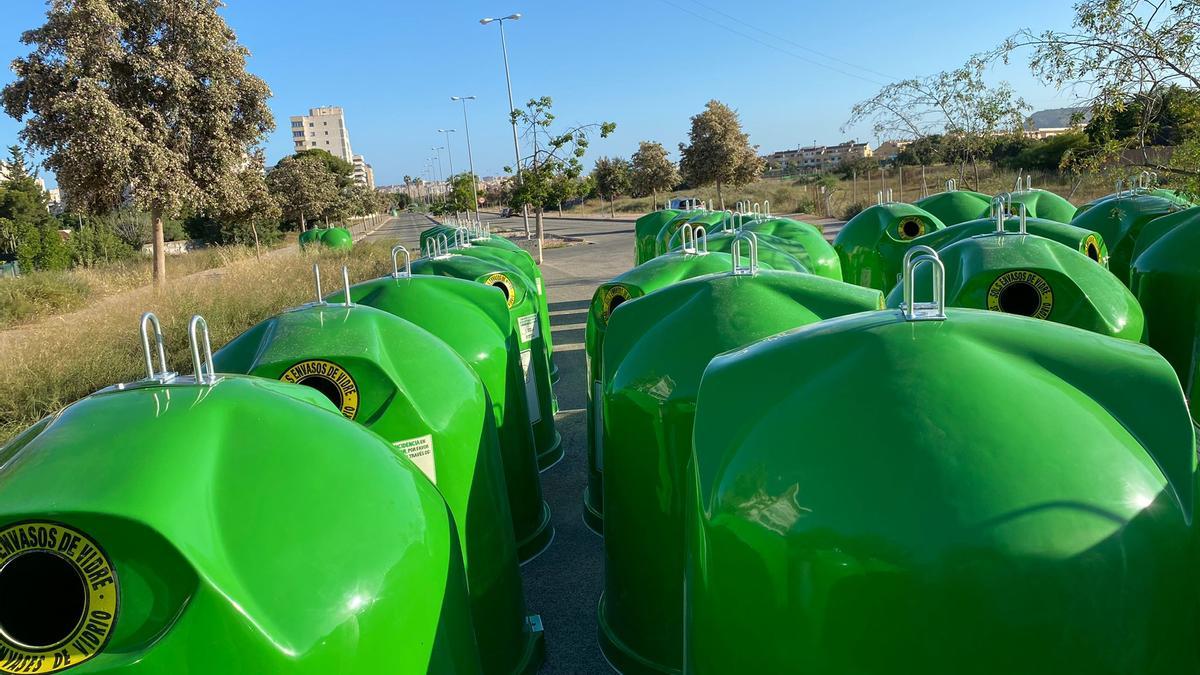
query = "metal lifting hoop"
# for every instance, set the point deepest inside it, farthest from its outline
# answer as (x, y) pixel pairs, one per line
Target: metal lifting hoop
(163, 375)
(767, 208)
(736, 251)
(700, 235)
(317, 279)
(951, 185)
(924, 311)
(396, 265)
(346, 285)
(685, 236)
(443, 246)
(204, 371)
(879, 198)
(889, 196)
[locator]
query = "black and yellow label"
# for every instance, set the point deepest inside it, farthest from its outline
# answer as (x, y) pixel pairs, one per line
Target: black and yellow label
(500, 280)
(613, 297)
(67, 588)
(1091, 247)
(910, 228)
(328, 378)
(1021, 292)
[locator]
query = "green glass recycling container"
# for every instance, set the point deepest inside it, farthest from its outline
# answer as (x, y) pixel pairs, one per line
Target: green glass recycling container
(408, 386)
(870, 242)
(956, 206)
(645, 232)
(983, 494)
(1120, 222)
(473, 320)
(235, 526)
(1166, 280)
(521, 299)
(657, 273)
(1044, 204)
(1032, 276)
(656, 349)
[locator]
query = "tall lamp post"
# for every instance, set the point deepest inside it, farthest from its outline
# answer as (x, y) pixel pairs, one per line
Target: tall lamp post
(511, 108)
(450, 158)
(438, 150)
(470, 159)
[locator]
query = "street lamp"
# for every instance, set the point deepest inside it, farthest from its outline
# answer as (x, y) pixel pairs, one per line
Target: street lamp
(438, 150)
(511, 108)
(449, 152)
(470, 159)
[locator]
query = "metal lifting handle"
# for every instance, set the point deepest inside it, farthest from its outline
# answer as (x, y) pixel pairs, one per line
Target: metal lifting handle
(998, 213)
(879, 198)
(924, 311)
(685, 236)
(736, 250)
(1019, 181)
(767, 208)
(204, 371)
(951, 185)
(1028, 182)
(163, 375)
(1024, 216)
(889, 196)
(346, 285)
(317, 279)
(396, 265)
(700, 235)
(443, 246)
(728, 224)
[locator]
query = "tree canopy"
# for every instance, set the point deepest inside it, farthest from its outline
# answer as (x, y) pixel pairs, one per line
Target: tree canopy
(651, 171)
(719, 151)
(612, 176)
(146, 99)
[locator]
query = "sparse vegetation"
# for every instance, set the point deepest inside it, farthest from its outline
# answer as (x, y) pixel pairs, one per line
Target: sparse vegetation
(47, 366)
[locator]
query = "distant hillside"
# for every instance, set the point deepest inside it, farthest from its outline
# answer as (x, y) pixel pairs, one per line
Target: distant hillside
(1054, 119)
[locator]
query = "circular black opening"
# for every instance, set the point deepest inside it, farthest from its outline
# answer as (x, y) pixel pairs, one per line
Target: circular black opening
(504, 288)
(1020, 298)
(42, 599)
(616, 302)
(1093, 252)
(911, 229)
(326, 387)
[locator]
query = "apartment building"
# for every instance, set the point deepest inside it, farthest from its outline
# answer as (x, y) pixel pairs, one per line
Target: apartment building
(363, 173)
(323, 128)
(817, 158)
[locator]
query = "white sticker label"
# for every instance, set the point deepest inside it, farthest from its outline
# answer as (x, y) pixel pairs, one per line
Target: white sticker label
(531, 391)
(528, 325)
(420, 451)
(598, 423)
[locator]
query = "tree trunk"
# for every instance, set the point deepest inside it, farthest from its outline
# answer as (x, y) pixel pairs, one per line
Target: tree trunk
(924, 185)
(160, 252)
(257, 251)
(541, 233)
(612, 207)
(560, 215)
(654, 204)
(975, 167)
(303, 223)
(720, 197)
(901, 182)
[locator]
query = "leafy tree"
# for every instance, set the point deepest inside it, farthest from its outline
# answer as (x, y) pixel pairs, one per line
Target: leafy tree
(1169, 116)
(848, 168)
(718, 151)
(957, 104)
(460, 192)
(652, 171)
(27, 230)
(94, 240)
(612, 178)
(924, 151)
(250, 216)
(555, 153)
(337, 166)
(302, 187)
(1129, 58)
(149, 99)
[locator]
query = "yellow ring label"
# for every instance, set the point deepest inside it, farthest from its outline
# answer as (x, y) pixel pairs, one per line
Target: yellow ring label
(1017, 277)
(611, 295)
(328, 378)
(501, 281)
(1091, 243)
(101, 596)
(900, 228)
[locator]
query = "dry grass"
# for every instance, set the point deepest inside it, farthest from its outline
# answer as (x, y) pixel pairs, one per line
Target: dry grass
(46, 366)
(38, 295)
(791, 195)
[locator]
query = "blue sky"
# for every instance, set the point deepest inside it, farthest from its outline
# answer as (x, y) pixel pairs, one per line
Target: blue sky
(792, 69)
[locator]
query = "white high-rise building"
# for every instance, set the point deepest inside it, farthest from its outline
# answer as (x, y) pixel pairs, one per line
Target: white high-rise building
(323, 128)
(363, 173)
